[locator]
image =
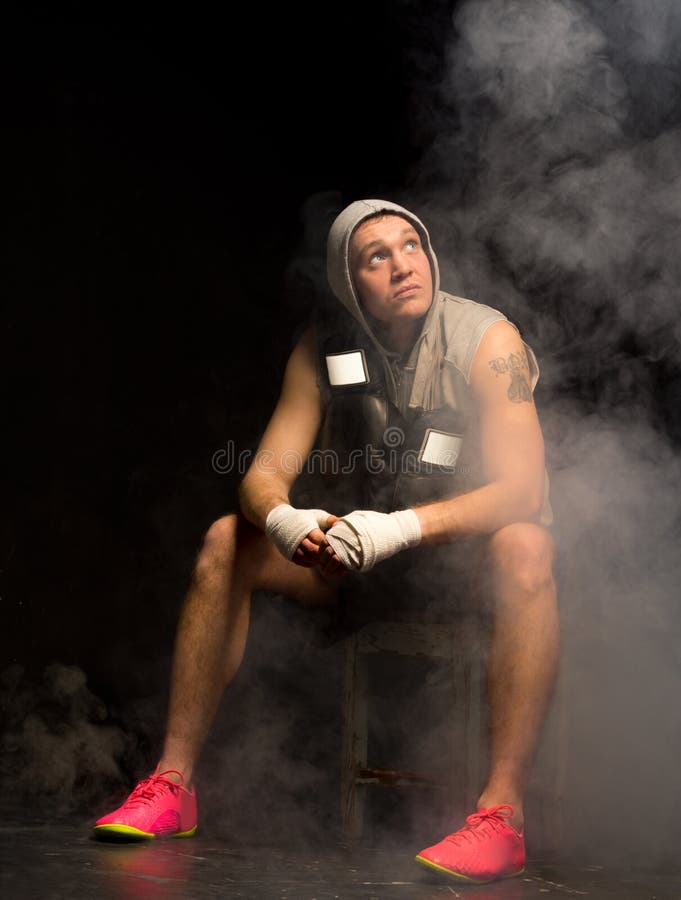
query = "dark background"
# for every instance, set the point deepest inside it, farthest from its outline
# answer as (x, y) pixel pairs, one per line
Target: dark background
(157, 166)
(168, 177)
(164, 171)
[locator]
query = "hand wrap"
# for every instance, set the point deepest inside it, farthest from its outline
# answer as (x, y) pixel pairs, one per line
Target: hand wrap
(364, 537)
(286, 526)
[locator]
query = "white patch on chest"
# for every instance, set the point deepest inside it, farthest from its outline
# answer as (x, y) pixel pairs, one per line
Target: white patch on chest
(347, 368)
(440, 448)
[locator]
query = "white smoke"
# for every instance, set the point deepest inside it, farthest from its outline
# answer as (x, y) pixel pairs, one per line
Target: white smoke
(60, 747)
(552, 179)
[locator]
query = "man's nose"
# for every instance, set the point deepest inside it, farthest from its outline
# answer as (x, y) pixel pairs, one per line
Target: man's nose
(401, 265)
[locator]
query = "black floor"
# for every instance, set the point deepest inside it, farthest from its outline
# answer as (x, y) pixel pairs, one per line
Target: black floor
(60, 860)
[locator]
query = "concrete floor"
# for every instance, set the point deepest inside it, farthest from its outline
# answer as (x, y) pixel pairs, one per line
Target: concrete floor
(61, 861)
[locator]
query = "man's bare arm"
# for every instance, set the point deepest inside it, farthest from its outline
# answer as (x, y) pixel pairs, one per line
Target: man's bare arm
(288, 437)
(512, 447)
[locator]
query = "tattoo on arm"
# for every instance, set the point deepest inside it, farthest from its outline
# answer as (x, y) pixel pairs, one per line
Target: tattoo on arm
(519, 390)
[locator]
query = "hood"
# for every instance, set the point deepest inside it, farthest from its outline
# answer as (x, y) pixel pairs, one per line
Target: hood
(428, 343)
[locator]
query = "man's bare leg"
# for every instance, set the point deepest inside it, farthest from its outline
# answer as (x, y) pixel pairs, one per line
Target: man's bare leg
(523, 658)
(235, 560)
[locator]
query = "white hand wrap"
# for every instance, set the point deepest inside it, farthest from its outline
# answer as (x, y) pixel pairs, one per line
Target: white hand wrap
(286, 526)
(364, 537)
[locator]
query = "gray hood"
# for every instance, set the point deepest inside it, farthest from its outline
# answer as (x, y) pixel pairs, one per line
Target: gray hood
(428, 347)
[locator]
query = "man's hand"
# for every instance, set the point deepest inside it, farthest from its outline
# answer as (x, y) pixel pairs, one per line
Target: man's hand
(364, 537)
(298, 534)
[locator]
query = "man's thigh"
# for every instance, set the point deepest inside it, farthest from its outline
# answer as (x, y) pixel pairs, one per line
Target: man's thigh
(436, 584)
(308, 587)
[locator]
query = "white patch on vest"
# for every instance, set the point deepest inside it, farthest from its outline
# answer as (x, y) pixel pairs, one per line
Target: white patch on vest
(440, 448)
(347, 368)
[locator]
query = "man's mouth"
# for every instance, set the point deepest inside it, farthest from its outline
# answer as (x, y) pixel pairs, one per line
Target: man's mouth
(407, 289)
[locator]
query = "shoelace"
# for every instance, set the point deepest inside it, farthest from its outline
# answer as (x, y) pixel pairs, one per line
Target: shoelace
(478, 823)
(149, 788)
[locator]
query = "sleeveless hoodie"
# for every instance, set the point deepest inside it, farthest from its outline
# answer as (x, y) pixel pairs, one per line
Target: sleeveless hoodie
(400, 432)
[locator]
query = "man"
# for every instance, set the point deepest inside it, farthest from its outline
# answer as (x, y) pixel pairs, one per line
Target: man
(453, 380)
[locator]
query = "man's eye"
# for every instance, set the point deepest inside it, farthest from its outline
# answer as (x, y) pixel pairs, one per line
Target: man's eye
(412, 245)
(376, 257)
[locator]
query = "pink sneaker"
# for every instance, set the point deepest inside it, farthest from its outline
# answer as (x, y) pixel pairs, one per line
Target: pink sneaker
(158, 807)
(485, 849)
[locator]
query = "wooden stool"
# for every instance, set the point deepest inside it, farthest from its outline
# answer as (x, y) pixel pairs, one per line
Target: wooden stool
(458, 647)
(465, 674)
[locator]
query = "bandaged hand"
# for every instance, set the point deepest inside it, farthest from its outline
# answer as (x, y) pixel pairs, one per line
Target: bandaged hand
(364, 537)
(287, 526)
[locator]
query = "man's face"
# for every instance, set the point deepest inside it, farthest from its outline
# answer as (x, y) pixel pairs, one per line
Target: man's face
(391, 270)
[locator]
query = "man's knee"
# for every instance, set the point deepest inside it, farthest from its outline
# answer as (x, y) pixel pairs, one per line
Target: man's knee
(217, 547)
(229, 538)
(523, 554)
(220, 537)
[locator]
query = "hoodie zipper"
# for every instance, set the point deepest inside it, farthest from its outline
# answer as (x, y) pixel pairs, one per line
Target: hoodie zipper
(401, 385)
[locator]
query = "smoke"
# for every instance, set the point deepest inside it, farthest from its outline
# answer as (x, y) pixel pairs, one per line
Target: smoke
(61, 748)
(269, 772)
(550, 179)
(551, 176)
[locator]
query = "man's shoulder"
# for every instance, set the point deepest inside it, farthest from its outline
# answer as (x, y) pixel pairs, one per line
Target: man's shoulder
(464, 323)
(462, 310)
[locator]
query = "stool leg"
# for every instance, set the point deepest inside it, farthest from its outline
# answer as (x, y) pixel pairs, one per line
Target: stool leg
(476, 751)
(467, 740)
(354, 742)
